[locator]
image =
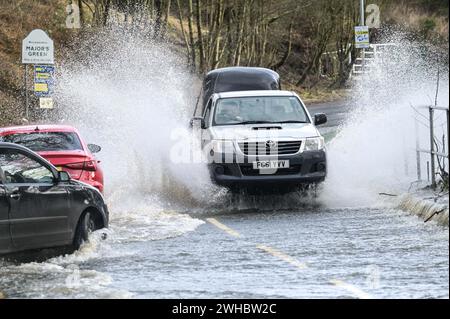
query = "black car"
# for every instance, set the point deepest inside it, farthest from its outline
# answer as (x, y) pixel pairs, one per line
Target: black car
(41, 207)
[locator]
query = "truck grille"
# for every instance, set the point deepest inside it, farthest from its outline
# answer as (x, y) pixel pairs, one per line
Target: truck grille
(264, 148)
(249, 171)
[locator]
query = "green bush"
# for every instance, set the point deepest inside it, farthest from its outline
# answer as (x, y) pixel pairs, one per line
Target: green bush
(427, 26)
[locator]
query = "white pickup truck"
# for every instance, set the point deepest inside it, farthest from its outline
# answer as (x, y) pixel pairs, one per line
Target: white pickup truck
(255, 134)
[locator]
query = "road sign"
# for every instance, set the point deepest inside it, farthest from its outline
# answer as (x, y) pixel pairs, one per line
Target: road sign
(46, 103)
(362, 37)
(41, 88)
(43, 80)
(43, 72)
(37, 48)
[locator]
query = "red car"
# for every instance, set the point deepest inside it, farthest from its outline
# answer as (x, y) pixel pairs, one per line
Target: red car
(62, 146)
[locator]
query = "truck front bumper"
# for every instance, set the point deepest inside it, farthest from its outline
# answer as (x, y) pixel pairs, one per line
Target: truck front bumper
(308, 167)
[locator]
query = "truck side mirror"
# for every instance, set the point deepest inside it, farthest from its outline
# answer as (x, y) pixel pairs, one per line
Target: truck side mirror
(198, 118)
(320, 118)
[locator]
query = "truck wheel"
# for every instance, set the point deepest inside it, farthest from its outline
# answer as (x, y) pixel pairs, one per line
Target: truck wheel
(86, 225)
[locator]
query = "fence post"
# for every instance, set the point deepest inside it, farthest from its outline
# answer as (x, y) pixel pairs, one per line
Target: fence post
(448, 131)
(432, 151)
(419, 174)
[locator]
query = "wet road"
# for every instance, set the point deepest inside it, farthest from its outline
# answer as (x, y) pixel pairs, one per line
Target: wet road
(248, 247)
(336, 112)
(309, 253)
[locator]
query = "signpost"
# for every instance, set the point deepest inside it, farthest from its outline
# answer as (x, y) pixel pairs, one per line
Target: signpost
(361, 36)
(38, 48)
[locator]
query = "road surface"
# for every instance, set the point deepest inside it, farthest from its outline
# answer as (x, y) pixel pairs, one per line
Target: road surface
(249, 247)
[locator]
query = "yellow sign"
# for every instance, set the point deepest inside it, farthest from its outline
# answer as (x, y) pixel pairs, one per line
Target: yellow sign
(41, 87)
(43, 76)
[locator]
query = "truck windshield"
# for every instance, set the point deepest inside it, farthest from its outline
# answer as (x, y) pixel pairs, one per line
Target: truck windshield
(263, 109)
(45, 141)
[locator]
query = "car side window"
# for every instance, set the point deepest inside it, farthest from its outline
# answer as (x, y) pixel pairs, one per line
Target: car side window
(207, 113)
(18, 168)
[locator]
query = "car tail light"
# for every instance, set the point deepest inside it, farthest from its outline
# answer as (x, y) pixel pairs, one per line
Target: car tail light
(79, 165)
(90, 166)
(87, 166)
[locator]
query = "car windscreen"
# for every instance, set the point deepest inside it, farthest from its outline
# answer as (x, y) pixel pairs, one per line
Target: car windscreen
(46, 141)
(261, 109)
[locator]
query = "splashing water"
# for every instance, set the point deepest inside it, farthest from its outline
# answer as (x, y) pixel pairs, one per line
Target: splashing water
(375, 150)
(129, 93)
(134, 97)
(64, 276)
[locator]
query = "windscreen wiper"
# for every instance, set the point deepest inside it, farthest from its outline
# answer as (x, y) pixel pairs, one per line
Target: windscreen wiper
(253, 122)
(290, 121)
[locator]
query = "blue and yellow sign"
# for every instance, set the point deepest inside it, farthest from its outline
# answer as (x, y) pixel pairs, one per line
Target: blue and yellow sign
(43, 80)
(362, 37)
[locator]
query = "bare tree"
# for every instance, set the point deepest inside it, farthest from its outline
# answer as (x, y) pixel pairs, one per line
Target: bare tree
(191, 34)
(345, 19)
(183, 32)
(200, 36)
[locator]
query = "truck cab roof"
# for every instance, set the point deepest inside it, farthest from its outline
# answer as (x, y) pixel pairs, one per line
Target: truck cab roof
(224, 95)
(233, 79)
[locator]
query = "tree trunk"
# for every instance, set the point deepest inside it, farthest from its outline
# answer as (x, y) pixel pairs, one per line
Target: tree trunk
(151, 5)
(200, 37)
(106, 12)
(191, 35)
(229, 37)
(183, 32)
(80, 8)
(287, 53)
(239, 41)
(166, 18)
(158, 19)
(219, 20)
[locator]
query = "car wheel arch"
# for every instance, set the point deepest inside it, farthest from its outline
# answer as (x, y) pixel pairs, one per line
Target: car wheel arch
(98, 221)
(98, 217)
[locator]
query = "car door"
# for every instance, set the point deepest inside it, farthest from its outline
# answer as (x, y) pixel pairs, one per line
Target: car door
(39, 206)
(5, 238)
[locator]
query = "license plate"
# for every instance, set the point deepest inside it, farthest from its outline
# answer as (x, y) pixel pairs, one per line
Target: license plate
(271, 164)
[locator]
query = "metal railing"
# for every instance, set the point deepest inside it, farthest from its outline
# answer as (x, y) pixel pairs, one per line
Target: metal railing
(368, 57)
(434, 153)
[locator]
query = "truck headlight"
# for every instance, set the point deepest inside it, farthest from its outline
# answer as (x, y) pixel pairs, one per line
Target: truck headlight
(314, 143)
(222, 146)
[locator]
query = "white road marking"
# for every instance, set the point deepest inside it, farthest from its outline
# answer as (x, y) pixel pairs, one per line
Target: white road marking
(282, 256)
(223, 227)
(294, 262)
(351, 288)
